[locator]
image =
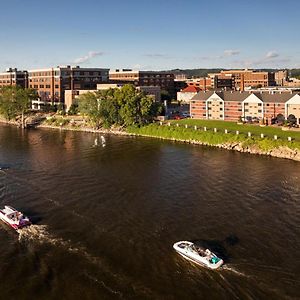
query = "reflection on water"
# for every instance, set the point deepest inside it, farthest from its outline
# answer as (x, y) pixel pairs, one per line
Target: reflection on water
(105, 219)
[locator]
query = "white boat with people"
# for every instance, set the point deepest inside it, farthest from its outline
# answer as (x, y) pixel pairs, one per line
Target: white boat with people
(198, 255)
(14, 218)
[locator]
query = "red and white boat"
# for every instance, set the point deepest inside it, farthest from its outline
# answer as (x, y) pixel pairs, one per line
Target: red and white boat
(14, 218)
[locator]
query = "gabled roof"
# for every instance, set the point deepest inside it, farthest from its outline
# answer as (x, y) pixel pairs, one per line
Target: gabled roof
(190, 89)
(241, 96)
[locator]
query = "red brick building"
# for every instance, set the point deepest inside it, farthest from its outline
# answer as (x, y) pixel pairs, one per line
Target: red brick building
(13, 77)
(51, 83)
(232, 105)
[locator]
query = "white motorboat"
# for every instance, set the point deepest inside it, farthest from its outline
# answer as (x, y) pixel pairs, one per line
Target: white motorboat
(198, 255)
(14, 218)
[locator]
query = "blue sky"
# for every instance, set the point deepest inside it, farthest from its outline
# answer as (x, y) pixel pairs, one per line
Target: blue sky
(150, 34)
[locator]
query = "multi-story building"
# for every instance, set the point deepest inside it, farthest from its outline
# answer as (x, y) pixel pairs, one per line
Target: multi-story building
(202, 83)
(281, 77)
(71, 96)
(14, 77)
(51, 83)
(165, 80)
(233, 105)
(213, 81)
(250, 78)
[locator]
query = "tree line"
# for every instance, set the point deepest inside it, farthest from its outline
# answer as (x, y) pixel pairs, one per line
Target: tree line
(123, 107)
(16, 101)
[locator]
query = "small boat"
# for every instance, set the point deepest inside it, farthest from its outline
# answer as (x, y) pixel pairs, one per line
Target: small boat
(198, 255)
(14, 218)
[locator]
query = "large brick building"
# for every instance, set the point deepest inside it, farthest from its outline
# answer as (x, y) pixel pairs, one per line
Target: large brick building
(165, 80)
(13, 77)
(51, 83)
(232, 105)
(250, 78)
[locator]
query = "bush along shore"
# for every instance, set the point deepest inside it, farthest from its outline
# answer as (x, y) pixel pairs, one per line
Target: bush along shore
(222, 138)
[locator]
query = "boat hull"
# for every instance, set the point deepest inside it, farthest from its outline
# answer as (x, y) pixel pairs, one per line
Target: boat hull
(13, 218)
(210, 260)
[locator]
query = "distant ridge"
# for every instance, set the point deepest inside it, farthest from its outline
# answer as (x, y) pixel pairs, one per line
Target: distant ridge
(204, 72)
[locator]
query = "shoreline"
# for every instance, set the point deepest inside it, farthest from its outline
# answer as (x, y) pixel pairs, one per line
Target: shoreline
(280, 152)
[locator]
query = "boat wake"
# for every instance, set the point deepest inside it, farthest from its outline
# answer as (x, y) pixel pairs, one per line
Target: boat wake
(233, 270)
(40, 234)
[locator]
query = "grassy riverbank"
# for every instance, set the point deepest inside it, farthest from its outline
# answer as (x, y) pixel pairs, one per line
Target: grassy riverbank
(256, 130)
(220, 138)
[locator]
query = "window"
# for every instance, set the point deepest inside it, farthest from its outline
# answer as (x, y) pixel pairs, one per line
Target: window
(246, 110)
(47, 86)
(259, 110)
(259, 104)
(41, 86)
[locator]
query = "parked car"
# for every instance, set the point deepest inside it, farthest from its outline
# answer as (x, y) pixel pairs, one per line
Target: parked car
(186, 115)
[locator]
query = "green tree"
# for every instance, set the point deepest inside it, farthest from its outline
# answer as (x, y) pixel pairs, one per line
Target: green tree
(89, 105)
(73, 110)
(15, 100)
(123, 107)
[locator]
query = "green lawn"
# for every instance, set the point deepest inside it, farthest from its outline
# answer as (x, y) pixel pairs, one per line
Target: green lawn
(210, 137)
(256, 130)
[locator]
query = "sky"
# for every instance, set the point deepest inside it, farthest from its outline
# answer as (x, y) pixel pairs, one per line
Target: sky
(150, 34)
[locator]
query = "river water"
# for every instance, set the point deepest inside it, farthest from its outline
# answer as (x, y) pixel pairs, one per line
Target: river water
(105, 219)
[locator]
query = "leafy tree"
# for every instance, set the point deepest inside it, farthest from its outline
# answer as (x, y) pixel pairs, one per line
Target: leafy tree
(61, 109)
(292, 120)
(89, 105)
(123, 107)
(15, 100)
(73, 110)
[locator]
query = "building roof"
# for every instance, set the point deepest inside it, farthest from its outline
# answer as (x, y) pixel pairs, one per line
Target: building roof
(190, 89)
(238, 96)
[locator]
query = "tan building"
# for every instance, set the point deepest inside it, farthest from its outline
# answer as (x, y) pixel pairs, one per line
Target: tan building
(13, 77)
(292, 107)
(51, 83)
(281, 77)
(187, 94)
(71, 96)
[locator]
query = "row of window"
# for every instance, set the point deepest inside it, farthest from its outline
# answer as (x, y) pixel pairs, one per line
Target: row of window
(64, 73)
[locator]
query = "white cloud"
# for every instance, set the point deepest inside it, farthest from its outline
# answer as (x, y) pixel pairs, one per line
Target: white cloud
(86, 58)
(231, 52)
(155, 55)
(226, 53)
(272, 54)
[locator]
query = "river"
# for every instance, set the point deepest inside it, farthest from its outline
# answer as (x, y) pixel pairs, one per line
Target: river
(106, 217)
